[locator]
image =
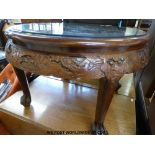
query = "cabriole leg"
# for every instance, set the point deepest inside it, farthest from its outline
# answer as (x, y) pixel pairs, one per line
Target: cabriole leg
(105, 93)
(26, 98)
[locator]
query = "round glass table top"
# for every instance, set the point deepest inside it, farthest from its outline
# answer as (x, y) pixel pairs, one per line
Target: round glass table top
(75, 30)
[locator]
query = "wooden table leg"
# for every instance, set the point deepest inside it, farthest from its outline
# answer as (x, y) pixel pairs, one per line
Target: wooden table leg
(26, 98)
(105, 93)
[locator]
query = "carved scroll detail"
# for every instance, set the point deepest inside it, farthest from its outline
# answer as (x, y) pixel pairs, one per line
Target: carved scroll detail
(113, 66)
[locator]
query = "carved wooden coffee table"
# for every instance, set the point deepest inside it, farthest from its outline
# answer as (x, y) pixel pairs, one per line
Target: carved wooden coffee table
(77, 51)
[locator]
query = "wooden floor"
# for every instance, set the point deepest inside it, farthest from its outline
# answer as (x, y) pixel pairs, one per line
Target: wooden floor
(58, 105)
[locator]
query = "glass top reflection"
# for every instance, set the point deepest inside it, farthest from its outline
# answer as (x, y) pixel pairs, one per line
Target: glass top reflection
(76, 30)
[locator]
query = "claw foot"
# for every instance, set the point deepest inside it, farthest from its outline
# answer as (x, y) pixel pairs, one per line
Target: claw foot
(25, 101)
(99, 129)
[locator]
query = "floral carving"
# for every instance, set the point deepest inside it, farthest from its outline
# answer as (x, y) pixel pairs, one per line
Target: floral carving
(113, 66)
